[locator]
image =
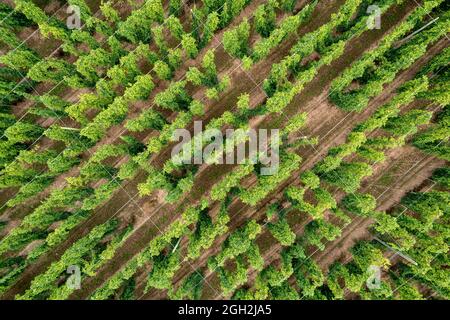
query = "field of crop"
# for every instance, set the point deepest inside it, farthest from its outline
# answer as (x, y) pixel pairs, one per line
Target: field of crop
(94, 203)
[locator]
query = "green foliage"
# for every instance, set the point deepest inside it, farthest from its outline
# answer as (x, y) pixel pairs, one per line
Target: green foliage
(385, 222)
(287, 26)
(50, 69)
(310, 179)
(214, 92)
(365, 255)
(61, 164)
(295, 123)
(13, 18)
(385, 71)
(197, 108)
(442, 176)
(284, 292)
(254, 257)
(189, 45)
(132, 30)
(348, 176)
(288, 5)
(162, 70)
(30, 189)
(237, 243)
(288, 163)
(75, 144)
(235, 41)
(54, 103)
(158, 37)
(212, 24)
(128, 291)
(406, 94)
(230, 10)
(148, 119)
(360, 204)
(231, 280)
(243, 103)
(113, 71)
(174, 58)
(22, 132)
(164, 268)
(308, 275)
(141, 89)
(174, 98)
(320, 229)
(210, 69)
(19, 59)
(101, 194)
(207, 231)
(113, 115)
(97, 259)
(89, 65)
(191, 288)
(407, 123)
(71, 256)
(435, 140)
(128, 67)
(324, 201)
(281, 231)
(111, 14)
(265, 20)
(429, 206)
(220, 190)
(155, 180)
(175, 7)
(407, 291)
(155, 247)
(62, 231)
(175, 27)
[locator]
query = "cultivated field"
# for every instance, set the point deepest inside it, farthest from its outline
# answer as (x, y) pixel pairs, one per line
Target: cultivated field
(355, 96)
